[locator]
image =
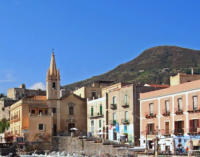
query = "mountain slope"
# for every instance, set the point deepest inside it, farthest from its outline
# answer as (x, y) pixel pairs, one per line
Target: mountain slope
(154, 65)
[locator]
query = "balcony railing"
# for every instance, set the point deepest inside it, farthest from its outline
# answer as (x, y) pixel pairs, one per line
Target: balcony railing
(149, 115)
(113, 122)
(165, 132)
(165, 112)
(14, 118)
(149, 132)
(179, 131)
(193, 131)
(125, 121)
(192, 109)
(96, 115)
(178, 111)
(125, 105)
(113, 106)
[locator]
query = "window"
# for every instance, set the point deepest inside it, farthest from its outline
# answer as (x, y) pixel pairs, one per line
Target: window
(195, 102)
(126, 115)
(180, 108)
(32, 111)
(93, 94)
(54, 110)
(46, 112)
(92, 122)
(150, 129)
(53, 85)
(151, 108)
(100, 123)
(167, 106)
(114, 100)
(179, 140)
(41, 127)
(71, 110)
(114, 117)
(92, 111)
(126, 99)
(101, 110)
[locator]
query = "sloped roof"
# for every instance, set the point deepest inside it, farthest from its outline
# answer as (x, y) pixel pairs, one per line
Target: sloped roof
(71, 93)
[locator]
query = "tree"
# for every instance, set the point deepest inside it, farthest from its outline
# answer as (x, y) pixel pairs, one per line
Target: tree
(4, 125)
(2, 95)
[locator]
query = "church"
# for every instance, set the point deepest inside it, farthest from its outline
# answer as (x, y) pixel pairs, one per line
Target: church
(51, 115)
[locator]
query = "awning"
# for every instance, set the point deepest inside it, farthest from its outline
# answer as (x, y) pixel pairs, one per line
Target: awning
(162, 142)
(196, 142)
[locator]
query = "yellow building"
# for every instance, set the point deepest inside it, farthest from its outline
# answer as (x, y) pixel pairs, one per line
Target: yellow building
(49, 115)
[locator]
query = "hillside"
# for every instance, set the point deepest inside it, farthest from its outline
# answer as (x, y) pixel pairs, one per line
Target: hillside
(154, 65)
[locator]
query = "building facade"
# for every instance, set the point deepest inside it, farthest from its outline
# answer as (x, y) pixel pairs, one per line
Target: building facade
(96, 112)
(22, 92)
(171, 113)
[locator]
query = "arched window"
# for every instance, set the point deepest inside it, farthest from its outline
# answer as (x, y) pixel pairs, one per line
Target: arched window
(71, 109)
(54, 85)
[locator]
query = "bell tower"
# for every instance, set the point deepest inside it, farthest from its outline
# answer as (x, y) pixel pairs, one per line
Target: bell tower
(53, 80)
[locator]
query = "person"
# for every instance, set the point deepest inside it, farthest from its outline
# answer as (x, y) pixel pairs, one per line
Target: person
(187, 149)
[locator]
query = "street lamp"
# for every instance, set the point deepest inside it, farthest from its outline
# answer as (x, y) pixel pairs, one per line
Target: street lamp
(156, 141)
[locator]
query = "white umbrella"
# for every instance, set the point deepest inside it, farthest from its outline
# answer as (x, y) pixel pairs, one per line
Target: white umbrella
(74, 129)
(190, 146)
(101, 133)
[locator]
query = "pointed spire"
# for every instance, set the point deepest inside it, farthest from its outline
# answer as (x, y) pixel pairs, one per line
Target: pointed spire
(53, 70)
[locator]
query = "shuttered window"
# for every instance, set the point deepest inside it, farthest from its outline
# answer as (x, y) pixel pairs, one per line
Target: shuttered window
(101, 111)
(194, 102)
(126, 115)
(167, 105)
(180, 107)
(114, 117)
(100, 123)
(126, 99)
(92, 111)
(114, 100)
(151, 108)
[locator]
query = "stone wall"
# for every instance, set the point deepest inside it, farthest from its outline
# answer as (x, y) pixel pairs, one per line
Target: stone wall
(74, 144)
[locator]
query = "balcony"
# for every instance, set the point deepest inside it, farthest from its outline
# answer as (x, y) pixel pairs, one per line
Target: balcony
(125, 121)
(113, 122)
(95, 115)
(125, 105)
(165, 113)
(113, 106)
(193, 131)
(192, 109)
(149, 115)
(149, 132)
(178, 111)
(179, 132)
(166, 132)
(14, 119)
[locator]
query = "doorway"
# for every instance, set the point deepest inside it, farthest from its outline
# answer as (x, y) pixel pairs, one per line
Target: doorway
(70, 125)
(167, 127)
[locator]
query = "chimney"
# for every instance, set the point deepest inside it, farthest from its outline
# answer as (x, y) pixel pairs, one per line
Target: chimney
(192, 70)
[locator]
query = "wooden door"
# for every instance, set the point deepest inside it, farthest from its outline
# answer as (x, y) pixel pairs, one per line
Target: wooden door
(167, 127)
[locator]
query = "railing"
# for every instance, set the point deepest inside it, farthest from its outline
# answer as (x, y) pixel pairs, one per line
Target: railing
(113, 106)
(93, 98)
(179, 111)
(193, 130)
(14, 118)
(145, 132)
(125, 121)
(40, 114)
(192, 109)
(125, 105)
(95, 115)
(165, 112)
(165, 132)
(113, 122)
(149, 115)
(179, 131)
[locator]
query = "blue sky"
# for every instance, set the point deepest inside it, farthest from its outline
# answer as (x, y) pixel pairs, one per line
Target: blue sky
(90, 37)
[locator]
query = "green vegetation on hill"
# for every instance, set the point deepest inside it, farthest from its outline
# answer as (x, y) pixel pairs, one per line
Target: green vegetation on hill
(154, 65)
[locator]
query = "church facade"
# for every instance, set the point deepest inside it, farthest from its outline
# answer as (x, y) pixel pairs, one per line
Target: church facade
(50, 115)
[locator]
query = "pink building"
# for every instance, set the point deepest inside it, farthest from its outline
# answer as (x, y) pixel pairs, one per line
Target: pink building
(171, 112)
